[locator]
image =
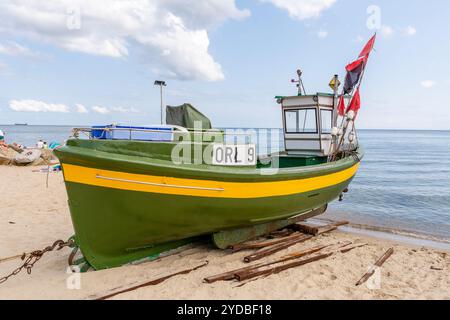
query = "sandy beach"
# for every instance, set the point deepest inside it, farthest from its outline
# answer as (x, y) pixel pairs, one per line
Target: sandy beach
(33, 216)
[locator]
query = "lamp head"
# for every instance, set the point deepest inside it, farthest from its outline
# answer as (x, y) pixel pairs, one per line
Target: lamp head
(160, 83)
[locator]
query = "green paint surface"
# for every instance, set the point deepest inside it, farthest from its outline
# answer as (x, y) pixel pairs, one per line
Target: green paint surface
(114, 227)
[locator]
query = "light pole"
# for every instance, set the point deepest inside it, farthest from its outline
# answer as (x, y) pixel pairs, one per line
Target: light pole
(161, 84)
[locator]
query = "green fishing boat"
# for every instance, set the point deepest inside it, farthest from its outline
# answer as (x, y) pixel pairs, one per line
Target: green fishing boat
(135, 192)
(129, 200)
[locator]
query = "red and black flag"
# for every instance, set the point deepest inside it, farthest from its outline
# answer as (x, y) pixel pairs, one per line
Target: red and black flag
(365, 53)
(355, 104)
(354, 72)
(356, 68)
(341, 106)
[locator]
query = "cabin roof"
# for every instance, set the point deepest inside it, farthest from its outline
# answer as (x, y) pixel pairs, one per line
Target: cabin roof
(318, 94)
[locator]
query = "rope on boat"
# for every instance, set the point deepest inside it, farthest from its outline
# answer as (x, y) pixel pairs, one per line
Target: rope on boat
(30, 259)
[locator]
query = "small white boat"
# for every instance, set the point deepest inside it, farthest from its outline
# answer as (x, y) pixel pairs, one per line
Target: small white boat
(28, 156)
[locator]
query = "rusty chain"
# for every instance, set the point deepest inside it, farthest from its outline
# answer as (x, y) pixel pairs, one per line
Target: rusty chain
(31, 258)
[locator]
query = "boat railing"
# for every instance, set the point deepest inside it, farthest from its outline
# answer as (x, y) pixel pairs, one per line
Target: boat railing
(88, 131)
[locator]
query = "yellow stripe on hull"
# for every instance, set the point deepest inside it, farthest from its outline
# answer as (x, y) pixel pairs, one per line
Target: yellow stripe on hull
(201, 188)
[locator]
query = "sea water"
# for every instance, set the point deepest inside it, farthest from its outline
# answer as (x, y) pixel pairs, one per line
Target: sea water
(403, 182)
(30, 135)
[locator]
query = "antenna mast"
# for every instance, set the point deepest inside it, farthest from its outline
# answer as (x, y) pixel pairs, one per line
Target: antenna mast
(299, 82)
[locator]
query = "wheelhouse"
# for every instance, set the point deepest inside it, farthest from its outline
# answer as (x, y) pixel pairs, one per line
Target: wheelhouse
(308, 122)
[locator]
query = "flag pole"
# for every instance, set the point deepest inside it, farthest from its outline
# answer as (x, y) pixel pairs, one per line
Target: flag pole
(345, 127)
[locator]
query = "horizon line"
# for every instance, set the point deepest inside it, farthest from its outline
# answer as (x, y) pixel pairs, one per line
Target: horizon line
(219, 127)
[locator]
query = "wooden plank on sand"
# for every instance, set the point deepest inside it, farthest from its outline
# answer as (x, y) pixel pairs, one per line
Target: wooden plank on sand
(230, 275)
(318, 230)
(265, 244)
(276, 248)
(246, 275)
(377, 264)
(149, 283)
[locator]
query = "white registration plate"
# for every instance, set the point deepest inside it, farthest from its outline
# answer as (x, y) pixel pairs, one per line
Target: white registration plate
(234, 155)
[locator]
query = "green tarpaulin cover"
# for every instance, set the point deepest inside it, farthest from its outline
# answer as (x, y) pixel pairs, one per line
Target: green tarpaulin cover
(185, 116)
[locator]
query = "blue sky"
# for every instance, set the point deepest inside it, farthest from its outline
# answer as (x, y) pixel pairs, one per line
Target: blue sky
(76, 62)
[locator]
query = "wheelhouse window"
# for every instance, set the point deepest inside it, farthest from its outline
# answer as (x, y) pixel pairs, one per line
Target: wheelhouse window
(301, 121)
(291, 121)
(326, 117)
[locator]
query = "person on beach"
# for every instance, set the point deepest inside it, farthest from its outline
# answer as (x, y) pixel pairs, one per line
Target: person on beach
(40, 144)
(2, 140)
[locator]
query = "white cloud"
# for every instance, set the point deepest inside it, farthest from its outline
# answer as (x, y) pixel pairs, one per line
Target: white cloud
(200, 14)
(410, 31)
(81, 108)
(125, 110)
(36, 106)
(322, 34)
(172, 34)
(428, 83)
(15, 49)
(302, 9)
(184, 51)
(101, 110)
(386, 31)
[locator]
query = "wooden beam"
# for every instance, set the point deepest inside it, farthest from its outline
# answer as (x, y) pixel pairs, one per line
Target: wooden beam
(150, 283)
(246, 275)
(276, 248)
(242, 276)
(264, 244)
(377, 264)
(230, 275)
(318, 230)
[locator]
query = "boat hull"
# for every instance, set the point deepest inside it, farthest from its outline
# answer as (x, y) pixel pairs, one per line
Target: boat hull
(121, 216)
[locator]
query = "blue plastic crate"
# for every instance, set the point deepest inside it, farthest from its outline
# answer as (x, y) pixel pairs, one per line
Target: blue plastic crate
(162, 134)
